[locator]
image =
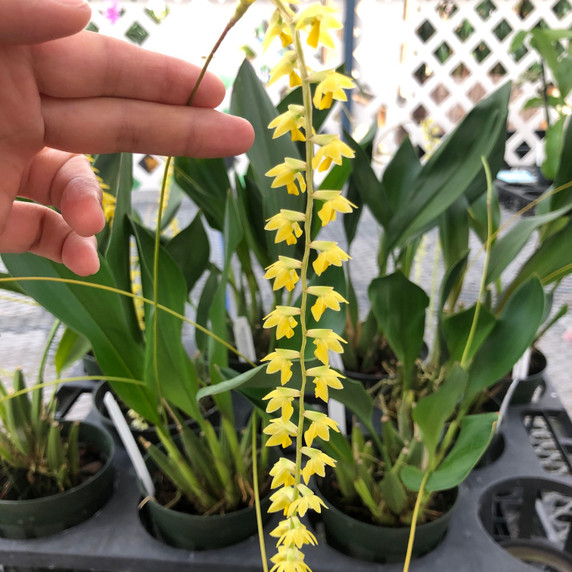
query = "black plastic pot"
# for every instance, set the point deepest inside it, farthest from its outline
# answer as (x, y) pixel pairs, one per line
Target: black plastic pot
(381, 544)
(52, 514)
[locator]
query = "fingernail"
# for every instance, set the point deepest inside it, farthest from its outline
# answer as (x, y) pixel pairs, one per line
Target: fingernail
(73, 3)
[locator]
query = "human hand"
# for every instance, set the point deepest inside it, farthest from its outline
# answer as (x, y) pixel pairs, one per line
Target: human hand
(66, 92)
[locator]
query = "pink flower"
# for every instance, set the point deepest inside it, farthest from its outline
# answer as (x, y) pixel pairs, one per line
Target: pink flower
(113, 11)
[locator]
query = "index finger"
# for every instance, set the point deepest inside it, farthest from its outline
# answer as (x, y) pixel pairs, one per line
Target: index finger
(92, 65)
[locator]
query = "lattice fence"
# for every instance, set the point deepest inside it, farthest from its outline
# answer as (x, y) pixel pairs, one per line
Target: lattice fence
(454, 52)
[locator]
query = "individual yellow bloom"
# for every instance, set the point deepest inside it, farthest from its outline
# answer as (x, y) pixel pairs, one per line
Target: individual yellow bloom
(283, 473)
(277, 28)
(284, 272)
(291, 532)
(286, 66)
(316, 463)
(328, 253)
(306, 500)
(327, 297)
(332, 149)
(281, 360)
(325, 340)
(282, 499)
(286, 222)
(108, 205)
(325, 377)
(281, 398)
(283, 318)
(288, 174)
(291, 120)
(330, 88)
(319, 19)
(289, 559)
(280, 431)
(319, 427)
(334, 202)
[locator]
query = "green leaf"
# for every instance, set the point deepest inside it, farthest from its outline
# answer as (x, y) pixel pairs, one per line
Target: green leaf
(511, 336)
(206, 183)
(450, 171)
(564, 197)
(251, 101)
(191, 251)
(393, 491)
(399, 307)
(472, 441)
(72, 347)
(454, 231)
(434, 410)
(205, 303)
(553, 148)
(455, 329)
(508, 247)
(118, 253)
(169, 372)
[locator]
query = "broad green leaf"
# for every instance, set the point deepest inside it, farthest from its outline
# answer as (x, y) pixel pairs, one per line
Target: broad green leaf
(553, 149)
(11, 286)
(203, 308)
(399, 307)
(453, 279)
(512, 334)
(455, 329)
(118, 254)
(551, 261)
(393, 491)
(190, 249)
(206, 182)
(452, 168)
(454, 231)
(434, 410)
(479, 216)
(399, 176)
(508, 247)
(169, 372)
(71, 348)
(564, 197)
(472, 441)
(251, 101)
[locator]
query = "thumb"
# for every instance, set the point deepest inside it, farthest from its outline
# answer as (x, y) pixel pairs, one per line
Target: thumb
(35, 21)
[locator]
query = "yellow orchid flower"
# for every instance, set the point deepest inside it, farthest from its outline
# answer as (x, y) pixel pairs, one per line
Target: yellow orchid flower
(319, 19)
(289, 559)
(328, 253)
(325, 377)
(283, 318)
(319, 427)
(284, 271)
(281, 398)
(281, 360)
(277, 28)
(282, 499)
(280, 432)
(325, 340)
(306, 500)
(287, 174)
(291, 120)
(283, 473)
(286, 222)
(330, 88)
(327, 298)
(286, 66)
(108, 203)
(291, 531)
(334, 202)
(332, 149)
(316, 463)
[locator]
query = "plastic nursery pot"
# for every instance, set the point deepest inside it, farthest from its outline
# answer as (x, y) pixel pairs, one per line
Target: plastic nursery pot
(199, 532)
(381, 544)
(23, 519)
(149, 434)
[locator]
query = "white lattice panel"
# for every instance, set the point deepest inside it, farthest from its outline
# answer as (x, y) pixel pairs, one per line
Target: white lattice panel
(472, 38)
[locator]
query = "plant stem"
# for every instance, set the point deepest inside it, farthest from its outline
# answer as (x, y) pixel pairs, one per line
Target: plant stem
(257, 495)
(414, 523)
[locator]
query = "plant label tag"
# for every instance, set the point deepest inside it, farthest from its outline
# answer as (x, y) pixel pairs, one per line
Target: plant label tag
(336, 361)
(243, 338)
